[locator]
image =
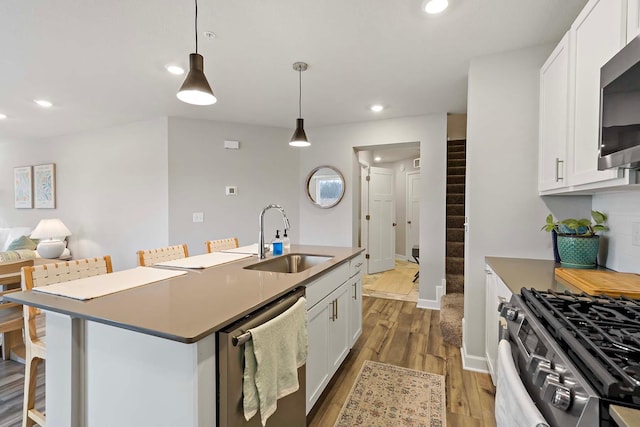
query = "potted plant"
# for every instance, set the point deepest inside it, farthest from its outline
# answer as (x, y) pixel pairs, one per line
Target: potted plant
(578, 242)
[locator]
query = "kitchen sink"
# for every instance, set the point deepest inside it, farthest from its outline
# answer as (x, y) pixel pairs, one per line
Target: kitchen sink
(290, 263)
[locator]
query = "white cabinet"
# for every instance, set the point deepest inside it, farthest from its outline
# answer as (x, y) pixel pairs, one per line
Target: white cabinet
(318, 356)
(495, 293)
(329, 344)
(554, 114)
(339, 342)
(334, 322)
(355, 310)
(597, 34)
(633, 19)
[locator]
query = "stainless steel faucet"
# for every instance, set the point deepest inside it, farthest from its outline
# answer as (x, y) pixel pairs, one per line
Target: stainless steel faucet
(285, 221)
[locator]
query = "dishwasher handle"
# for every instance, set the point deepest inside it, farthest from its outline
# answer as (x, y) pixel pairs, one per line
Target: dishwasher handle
(265, 314)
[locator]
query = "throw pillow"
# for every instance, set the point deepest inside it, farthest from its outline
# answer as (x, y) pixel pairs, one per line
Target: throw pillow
(22, 242)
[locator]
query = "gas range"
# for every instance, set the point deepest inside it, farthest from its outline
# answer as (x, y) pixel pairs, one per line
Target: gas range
(576, 354)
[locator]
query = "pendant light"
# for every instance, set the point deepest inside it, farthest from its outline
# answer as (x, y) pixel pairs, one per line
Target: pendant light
(195, 89)
(299, 138)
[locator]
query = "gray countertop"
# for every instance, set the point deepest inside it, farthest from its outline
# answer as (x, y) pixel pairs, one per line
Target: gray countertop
(189, 307)
(518, 273)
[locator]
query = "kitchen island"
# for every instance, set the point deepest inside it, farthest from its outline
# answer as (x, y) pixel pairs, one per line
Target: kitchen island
(147, 355)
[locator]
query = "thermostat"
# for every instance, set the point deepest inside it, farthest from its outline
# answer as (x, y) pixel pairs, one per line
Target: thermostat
(231, 190)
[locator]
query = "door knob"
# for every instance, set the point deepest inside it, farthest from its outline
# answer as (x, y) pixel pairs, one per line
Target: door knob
(408, 222)
(394, 224)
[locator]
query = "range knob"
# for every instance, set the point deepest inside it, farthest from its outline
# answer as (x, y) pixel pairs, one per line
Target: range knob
(511, 313)
(561, 398)
(557, 394)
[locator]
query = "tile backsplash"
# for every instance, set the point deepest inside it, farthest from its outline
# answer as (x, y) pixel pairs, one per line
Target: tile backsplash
(616, 249)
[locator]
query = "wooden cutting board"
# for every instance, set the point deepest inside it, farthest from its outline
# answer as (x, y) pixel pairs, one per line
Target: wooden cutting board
(596, 282)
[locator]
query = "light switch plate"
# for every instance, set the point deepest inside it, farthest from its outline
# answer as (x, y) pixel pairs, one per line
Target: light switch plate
(198, 217)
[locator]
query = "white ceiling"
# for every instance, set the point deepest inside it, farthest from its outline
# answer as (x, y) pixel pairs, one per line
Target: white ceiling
(102, 62)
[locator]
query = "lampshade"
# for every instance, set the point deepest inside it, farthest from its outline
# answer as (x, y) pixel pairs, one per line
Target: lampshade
(299, 138)
(50, 228)
(195, 89)
(51, 231)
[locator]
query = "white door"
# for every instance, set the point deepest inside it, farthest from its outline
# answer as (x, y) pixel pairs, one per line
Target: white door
(413, 212)
(381, 224)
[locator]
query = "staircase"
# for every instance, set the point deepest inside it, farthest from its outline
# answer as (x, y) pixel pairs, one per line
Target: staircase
(452, 304)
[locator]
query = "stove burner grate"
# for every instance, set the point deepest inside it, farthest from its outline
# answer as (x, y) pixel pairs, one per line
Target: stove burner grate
(600, 334)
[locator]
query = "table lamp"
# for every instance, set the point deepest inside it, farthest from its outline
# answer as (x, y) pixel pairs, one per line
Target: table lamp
(51, 233)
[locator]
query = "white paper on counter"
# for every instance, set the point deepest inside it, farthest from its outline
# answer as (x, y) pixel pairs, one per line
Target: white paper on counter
(105, 284)
(203, 261)
(249, 249)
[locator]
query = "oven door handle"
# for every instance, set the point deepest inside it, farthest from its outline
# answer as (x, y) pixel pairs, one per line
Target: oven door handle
(503, 330)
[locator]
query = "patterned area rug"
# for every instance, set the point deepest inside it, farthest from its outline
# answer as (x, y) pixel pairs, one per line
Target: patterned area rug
(387, 396)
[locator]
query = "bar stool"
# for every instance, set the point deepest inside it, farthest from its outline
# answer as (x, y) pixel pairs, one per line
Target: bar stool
(222, 244)
(153, 256)
(35, 345)
(415, 253)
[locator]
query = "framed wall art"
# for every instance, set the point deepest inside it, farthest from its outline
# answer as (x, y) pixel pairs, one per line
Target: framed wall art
(23, 187)
(44, 186)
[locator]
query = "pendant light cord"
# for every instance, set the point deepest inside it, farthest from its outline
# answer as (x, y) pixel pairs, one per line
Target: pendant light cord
(300, 94)
(196, 25)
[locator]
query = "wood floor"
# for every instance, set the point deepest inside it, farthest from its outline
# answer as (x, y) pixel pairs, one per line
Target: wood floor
(11, 392)
(398, 333)
(393, 284)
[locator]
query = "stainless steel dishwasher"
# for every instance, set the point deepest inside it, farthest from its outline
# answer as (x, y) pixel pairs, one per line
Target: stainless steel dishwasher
(291, 409)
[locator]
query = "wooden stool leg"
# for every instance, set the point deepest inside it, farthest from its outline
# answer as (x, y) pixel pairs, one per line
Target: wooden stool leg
(30, 379)
(9, 341)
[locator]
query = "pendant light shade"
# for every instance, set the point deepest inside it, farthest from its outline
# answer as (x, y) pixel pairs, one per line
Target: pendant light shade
(299, 138)
(195, 89)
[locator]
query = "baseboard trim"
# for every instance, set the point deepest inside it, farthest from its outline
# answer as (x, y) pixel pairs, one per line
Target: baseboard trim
(401, 257)
(430, 303)
(470, 362)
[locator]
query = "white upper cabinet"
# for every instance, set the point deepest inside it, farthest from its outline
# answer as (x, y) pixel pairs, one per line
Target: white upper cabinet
(554, 113)
(633, 19)
(597, 34)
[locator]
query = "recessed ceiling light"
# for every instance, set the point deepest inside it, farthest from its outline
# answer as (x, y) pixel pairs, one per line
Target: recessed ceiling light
(43, 103)
(376, 108)
(435, 6)
(3, 116)
(174, 69)
(377, 159)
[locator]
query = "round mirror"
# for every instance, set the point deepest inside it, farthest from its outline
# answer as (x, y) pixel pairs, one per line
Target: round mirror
(325, 186)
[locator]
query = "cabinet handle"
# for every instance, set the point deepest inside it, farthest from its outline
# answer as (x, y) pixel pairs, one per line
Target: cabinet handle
(336, 308)
(358, 265)
(333, 311)
(355, 291)
(558, 177)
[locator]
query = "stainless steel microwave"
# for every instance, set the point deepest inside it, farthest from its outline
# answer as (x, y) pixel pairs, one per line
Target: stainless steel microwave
(620, 109)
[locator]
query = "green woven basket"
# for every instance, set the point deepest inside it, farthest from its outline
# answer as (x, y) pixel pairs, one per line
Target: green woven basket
(578, 251)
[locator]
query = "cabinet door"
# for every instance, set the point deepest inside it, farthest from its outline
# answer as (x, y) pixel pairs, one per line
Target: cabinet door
(554, 113)
(339, 343)
(633, 19)
(491, 322)
(355, 310)
(318, 356)
(598, 33)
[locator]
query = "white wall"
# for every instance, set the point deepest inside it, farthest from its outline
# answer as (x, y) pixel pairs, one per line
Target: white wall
(339, 226)
(265, 170)
(112, 188)
(502, 203)
(616, 250)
